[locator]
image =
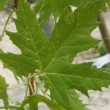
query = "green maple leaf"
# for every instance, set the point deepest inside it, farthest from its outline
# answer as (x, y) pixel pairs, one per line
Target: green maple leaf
(3, 92)
(53, 57)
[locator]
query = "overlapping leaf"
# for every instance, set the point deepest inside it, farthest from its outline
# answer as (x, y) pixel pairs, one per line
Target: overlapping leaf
(56, 7)
(53, 57)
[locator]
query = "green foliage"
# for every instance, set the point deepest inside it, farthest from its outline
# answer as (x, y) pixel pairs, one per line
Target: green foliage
(34, 100)
(3, 92)
(56, 7)
(52, 57)
(2, 4)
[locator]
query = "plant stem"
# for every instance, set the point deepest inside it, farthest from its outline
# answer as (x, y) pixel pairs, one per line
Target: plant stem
(10, 107)
(10, 88)
(31, 85)
(104, 32)
(26, 90)
(6, 24)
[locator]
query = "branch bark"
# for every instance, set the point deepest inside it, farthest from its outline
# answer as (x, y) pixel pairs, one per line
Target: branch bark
(104, 32)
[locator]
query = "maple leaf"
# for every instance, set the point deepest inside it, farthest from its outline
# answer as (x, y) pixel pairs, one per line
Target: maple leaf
(53, 56)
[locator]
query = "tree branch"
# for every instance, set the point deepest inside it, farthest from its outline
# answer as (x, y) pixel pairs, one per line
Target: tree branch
(104, 32)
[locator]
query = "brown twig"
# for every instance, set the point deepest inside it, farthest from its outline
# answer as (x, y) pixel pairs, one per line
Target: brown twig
(104, 32)
(31, 85)
(7, 21)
